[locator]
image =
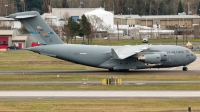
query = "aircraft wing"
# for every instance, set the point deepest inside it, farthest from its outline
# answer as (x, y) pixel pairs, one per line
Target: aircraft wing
(125, 52)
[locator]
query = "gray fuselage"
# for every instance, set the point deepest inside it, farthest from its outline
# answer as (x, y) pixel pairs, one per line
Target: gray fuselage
(100, 56)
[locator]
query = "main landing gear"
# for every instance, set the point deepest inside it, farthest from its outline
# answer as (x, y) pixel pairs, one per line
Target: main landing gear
(122, 70)
(185, 69)
(111, 70)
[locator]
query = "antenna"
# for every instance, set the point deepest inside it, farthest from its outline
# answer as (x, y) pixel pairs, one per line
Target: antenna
(113, 8)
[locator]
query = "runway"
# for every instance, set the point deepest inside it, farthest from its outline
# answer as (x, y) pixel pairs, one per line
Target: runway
(102, 72)
(98, 82)
(26, 95)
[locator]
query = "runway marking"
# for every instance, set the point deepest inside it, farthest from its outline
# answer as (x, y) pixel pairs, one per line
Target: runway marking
(140, 83)
(100, 94)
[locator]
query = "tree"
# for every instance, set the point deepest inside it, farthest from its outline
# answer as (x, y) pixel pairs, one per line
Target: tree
(96, 24)
(66, 32)
(85, 27)
(92, 34)
(161, 8)
(140, 7)
(150, 7)
(19, 5)
(109, 31)
(72, 28)
(33, 5)
(45, 7)
(56, 3)
(180, 7)
(119, 7)
(65, 4)
(65, 29)
(198, 9)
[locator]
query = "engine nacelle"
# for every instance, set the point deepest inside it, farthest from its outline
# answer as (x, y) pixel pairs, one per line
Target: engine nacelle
(163, 56)
(150, 58)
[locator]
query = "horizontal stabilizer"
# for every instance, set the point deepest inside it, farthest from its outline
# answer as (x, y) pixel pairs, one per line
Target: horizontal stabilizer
(25, 16)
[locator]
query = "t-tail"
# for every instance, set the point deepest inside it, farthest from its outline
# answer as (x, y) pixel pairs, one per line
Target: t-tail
(34, 23)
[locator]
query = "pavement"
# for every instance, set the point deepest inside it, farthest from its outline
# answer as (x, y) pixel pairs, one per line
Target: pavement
(26, 95)
(98, 82)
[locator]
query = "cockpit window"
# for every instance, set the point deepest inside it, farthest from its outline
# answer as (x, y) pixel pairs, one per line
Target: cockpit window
(189, 51)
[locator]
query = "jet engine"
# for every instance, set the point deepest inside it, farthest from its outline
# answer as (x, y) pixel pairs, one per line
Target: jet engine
(150, 58)
(163, 55)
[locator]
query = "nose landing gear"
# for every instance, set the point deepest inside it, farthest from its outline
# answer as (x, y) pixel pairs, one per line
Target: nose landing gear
(185, 69)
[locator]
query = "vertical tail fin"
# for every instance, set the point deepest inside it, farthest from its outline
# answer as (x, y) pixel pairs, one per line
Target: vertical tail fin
(33, 22)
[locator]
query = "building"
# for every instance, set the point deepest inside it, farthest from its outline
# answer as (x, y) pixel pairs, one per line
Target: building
(158, 21)
(161, 26)
(75, 13)
(106, 17)
(135, 26)
(13, 38)
(9, 23)
(5, 39)
(20, 41)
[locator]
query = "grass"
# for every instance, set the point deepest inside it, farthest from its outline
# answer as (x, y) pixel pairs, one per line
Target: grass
(72, 77)
(99, 77)
(100, 105)
(26, 60)
(100, 87)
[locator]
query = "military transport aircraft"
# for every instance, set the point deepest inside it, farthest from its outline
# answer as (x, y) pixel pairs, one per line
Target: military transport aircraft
(113, 58)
